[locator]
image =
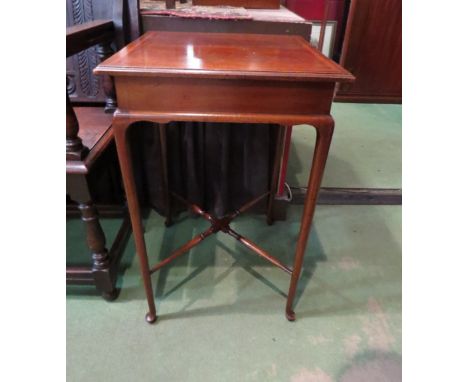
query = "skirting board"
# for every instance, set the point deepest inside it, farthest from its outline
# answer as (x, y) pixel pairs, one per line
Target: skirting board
(351, 196)
(104, 210)
(363, 98)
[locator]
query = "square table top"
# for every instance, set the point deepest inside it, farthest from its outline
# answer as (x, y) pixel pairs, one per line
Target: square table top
(223, 55)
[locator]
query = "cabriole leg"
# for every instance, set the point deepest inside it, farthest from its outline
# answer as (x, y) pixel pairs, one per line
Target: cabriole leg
(123, 150)
(324, 127)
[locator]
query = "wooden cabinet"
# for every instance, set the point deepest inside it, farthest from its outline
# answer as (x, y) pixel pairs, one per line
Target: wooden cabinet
(372, 52)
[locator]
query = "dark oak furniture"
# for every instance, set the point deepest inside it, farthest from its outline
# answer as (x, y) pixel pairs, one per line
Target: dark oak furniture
(88, 138)
(82, 85)
(163, 77)
(372, 52)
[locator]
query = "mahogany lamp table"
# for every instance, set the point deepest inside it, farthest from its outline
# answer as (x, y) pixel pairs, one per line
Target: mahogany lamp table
(218, 77)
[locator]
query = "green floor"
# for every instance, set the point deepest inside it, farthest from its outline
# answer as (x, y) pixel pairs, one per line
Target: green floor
(365, 151)
(221, 309)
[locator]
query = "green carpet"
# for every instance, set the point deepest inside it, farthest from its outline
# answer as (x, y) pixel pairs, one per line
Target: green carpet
(365, 151)
(221, 309)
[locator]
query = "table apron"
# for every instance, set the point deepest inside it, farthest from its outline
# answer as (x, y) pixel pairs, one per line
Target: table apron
(202, 95)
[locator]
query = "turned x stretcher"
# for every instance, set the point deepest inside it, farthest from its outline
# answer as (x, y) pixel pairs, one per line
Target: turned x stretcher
(215, 77)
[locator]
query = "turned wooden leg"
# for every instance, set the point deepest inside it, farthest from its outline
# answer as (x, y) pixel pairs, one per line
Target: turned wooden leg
(123, 150)
(275, 175)
(324, 127)
(74, 146)
(165, 176)
(103, 51)
(96, 240)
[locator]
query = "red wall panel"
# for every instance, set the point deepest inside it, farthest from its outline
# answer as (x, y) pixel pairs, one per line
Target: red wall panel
(309, 9)
(314, 10)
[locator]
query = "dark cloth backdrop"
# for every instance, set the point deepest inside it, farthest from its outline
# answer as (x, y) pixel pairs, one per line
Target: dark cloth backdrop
(217, 166)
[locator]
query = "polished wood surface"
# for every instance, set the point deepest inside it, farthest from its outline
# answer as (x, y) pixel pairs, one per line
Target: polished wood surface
(277, 22)
(372, 51)
(174, 94)
(94, 125)
(165, 77)
(225, 55)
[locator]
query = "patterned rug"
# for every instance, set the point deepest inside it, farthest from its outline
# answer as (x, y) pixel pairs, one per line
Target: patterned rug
(152, 7)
